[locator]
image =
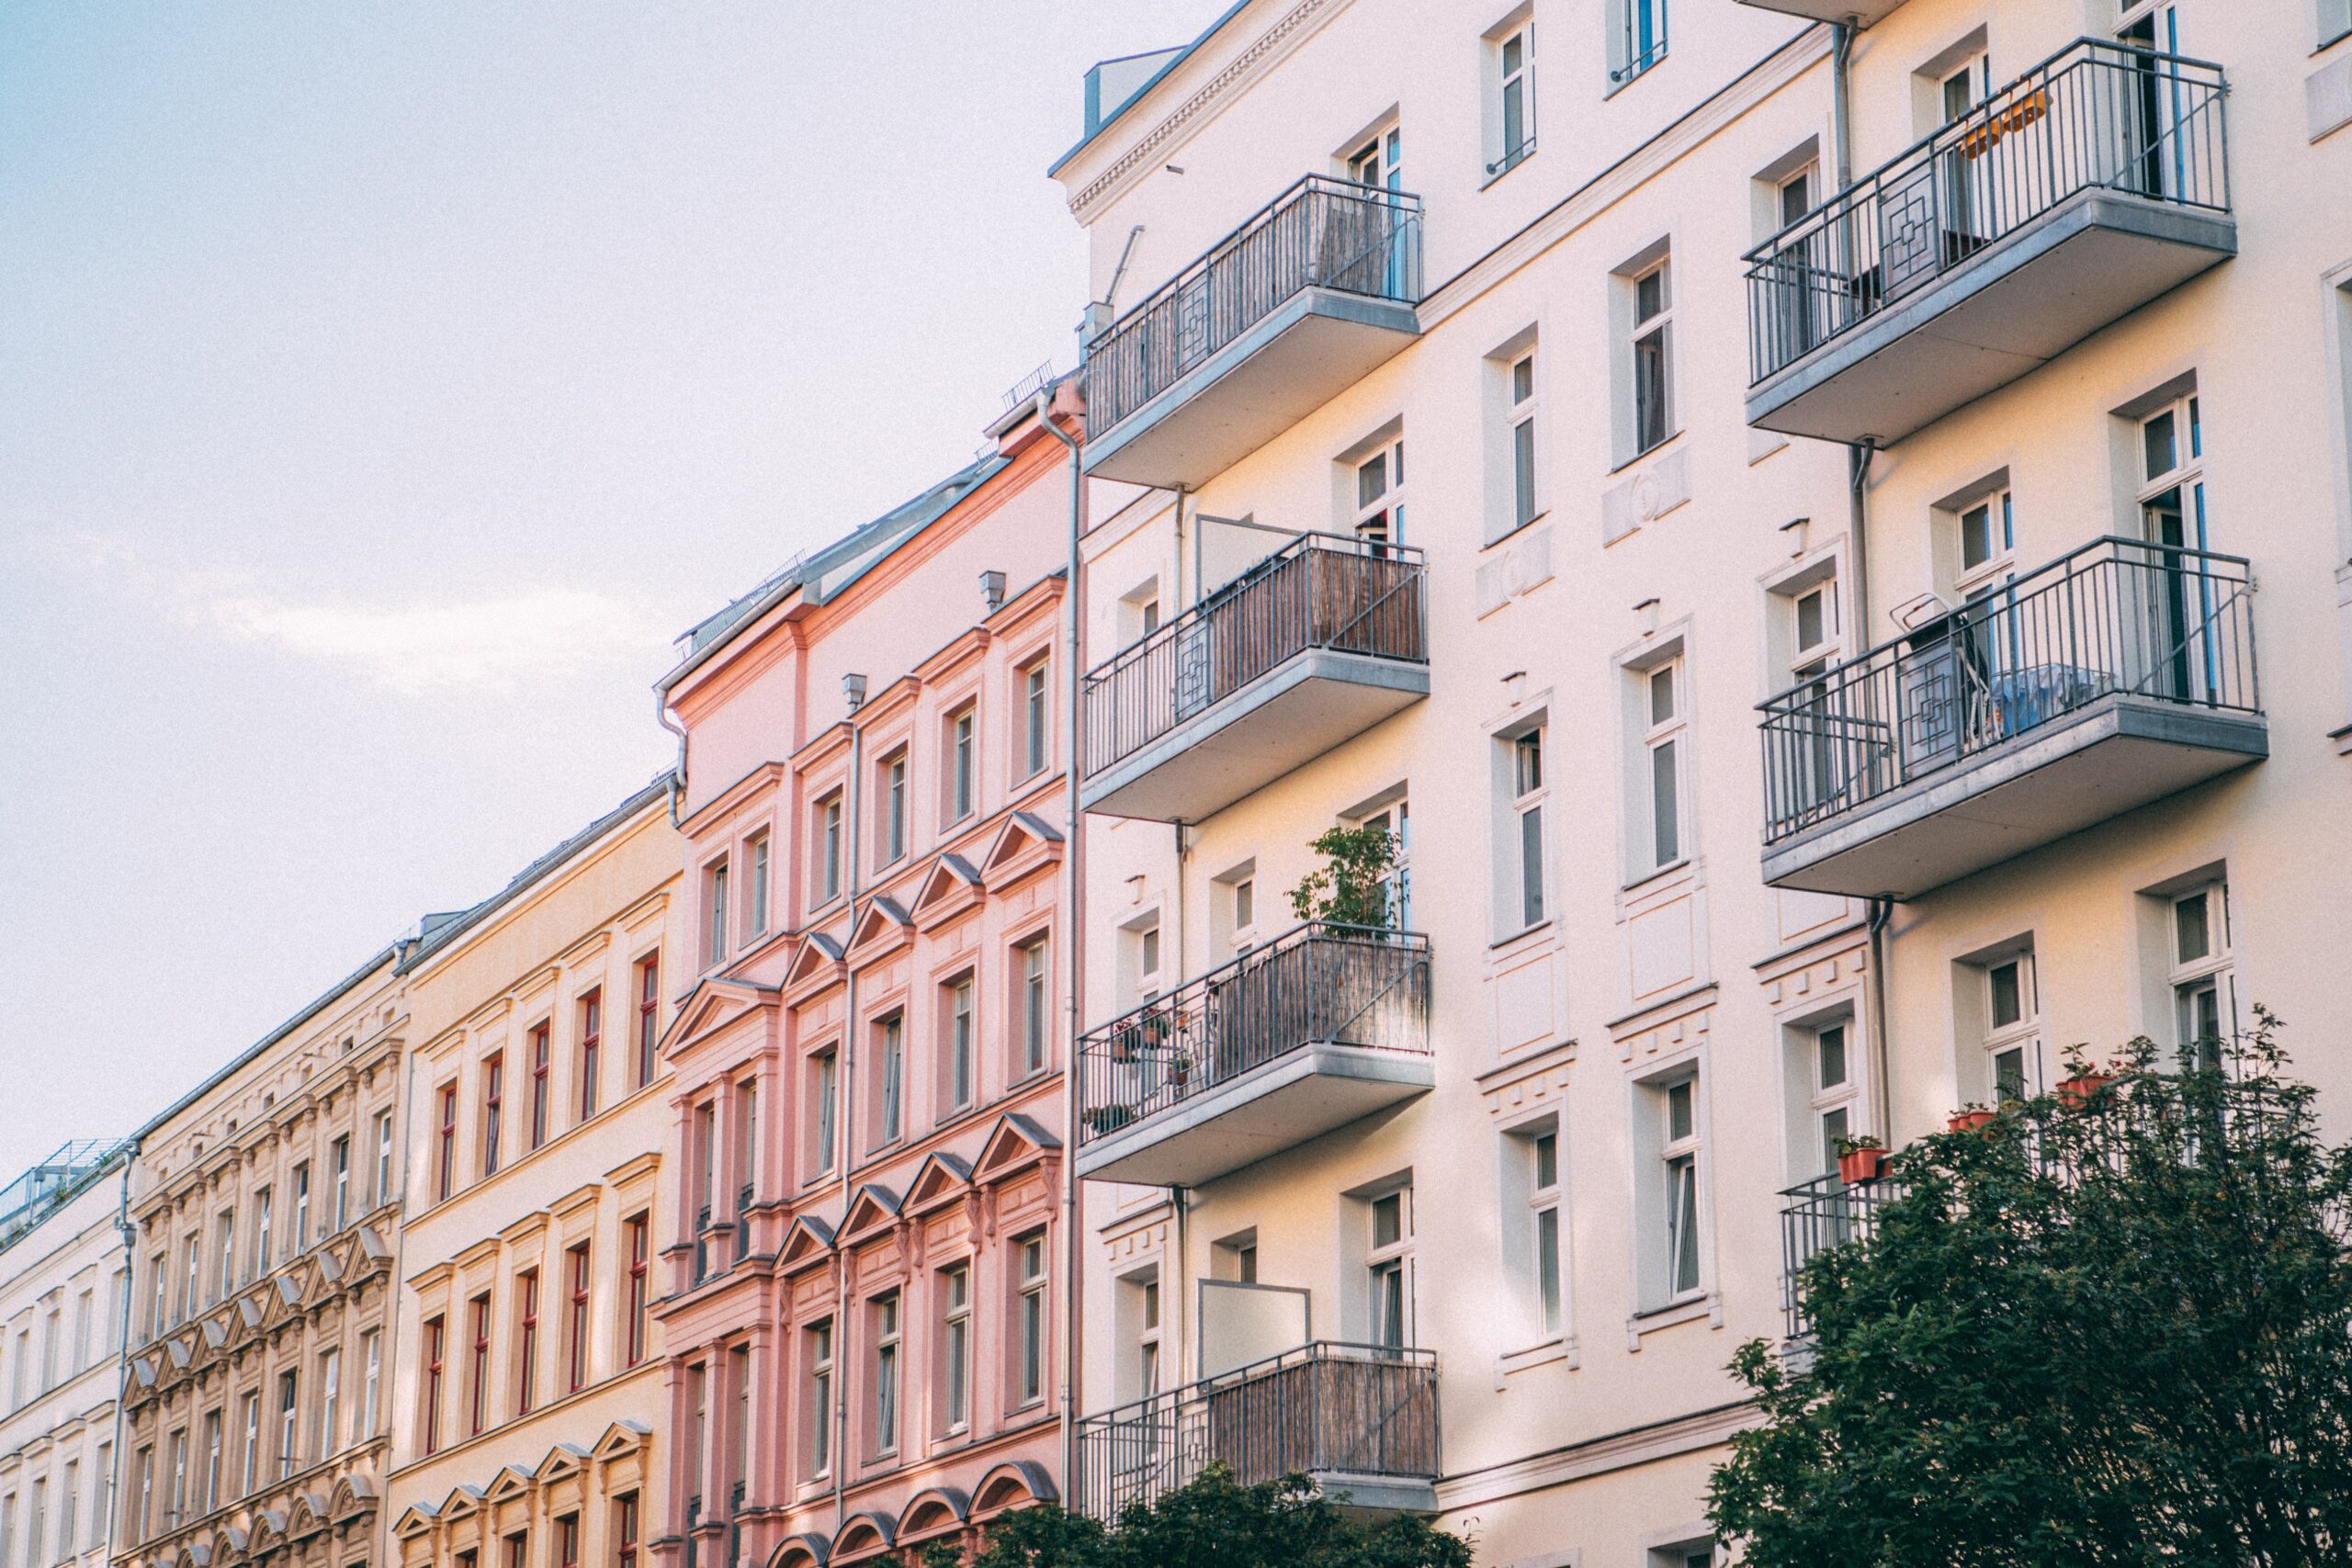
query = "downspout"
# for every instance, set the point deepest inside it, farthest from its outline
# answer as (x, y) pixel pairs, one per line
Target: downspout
(1073, 941)
(128, 1234)
(678, 774)
(845, 1127)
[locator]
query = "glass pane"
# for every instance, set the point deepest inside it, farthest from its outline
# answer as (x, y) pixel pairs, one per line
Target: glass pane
(1665, 814)
(1547, 1267)
(1514, 115)
(2159, 447)
(1372, 481)
(1527, 758)
(1811, 626)
(1649, 295)
(1531, 865)
(1683, 1181)
(2009, 1073)
(1833, 1133)
(1522, 379)
(1547, 1161)
(1662, 694)
(1387, 1220)
(1678, 1112)
(1975, 537)
(1523, 443)
(1832, 1044)
(1514, 52)
(2009, 994)
(2192, 934)
(1796, 199)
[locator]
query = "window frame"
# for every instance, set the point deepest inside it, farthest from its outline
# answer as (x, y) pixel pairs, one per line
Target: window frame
(1650, 340)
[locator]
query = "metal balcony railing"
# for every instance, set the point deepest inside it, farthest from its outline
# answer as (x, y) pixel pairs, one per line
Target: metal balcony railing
(1320, 234)
(2117, 618)
(694, 1530)
(1820, 1214)
(734, 1524)
(1341, 985)
(1319, 591)
(1325, 1407)
(2096, 116)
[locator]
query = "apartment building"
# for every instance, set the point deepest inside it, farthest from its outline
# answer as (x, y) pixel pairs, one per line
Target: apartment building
(864, 1254)
(528, 1418)
(64, 1292)
(266, 1209)
(1808, 669)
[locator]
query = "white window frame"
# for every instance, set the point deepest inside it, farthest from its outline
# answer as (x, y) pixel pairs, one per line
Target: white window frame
(1513, 76)
(1036, 734)
(1658, 326)
(1627, 58)
(757, 854)
(2020, 1035)
(1547, 1238)
(1523, 440)
(820, 1350)
(955, 1347)
(1679, 1162)
(963, 761)
(1528, 862)
(1389, 1271)
(962, 1080)
(1033, 1320)
(1657, 734)
(828, 846)
(2210, 971)
(1834, 1108)
(1036, 1005)
(1379, 513)
(715, 913)
(886, 1312)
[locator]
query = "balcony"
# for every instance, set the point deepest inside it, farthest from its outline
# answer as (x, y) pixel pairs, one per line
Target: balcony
(2089, 186)
(1321, 1027)
(1358, 1420)
(2112, 677)
(1862, 13)
(1312, 646)
(1820, 1214)
(1280, 316)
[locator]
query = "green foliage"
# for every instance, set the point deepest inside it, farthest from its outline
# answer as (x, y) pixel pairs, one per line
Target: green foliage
(1214, 1522)
(1349, 889)
(2106, 1328)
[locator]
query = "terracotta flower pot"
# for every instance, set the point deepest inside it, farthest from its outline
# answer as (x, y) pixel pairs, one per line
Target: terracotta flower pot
(1858, 1166)
(1970, 1120)
(2077, 1091)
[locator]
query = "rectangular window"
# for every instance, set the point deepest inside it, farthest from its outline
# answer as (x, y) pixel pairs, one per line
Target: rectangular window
(211, 1481)
(1526, 502)
(526, 1341)
(371, 1381)
(1527, 810)
(714, 913)
(575, 1331)
(69, 1536)
(2204, 1006)
(625, 1532)
(649, 1021)
(1034, 714)
(383, 1159)
(301, 1205)
(329, 1402)
(955, 1347)
(828, 1073)
(1637, 37)
(1388, 1261)
(249, 1428)
(757, 915)
(446, 1164)
(747, 1159)
(892, 1069)
(1544, 1206)
(142, 1504)
(883, 1318)
(821, 1399)
(567, 1542)
(1031, 1310)
(289, 1415)
(1515, 96)
(640, 1251)
(1662, 763)
(1379, 517)
(1678, 1155)
(894, 808)
(828, 848)
(1033, 1005)
(224, 1282)
(542, 1081)
(1653, 386)
(493, 1107)
(102, 1517)
(592, 1041)
(957, 1047)
(1824, 1063)
(262, 1261)
(339, 1163)
(963, 745)
(478, 1368)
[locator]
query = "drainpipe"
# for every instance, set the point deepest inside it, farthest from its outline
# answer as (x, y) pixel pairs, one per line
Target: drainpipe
(128, 1235)
(678, 775)
(844, 1129)
(1073, 938)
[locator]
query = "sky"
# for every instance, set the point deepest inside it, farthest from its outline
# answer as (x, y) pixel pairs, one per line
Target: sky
(383, 386)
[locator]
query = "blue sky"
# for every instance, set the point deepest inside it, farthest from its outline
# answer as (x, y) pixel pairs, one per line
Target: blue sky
(387, 384)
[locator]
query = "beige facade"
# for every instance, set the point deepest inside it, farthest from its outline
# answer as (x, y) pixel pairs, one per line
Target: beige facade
(267, 1207)
(1660, 980)
(532, 1388)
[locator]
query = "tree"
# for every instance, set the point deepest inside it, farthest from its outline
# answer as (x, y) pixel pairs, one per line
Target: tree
(1214, 1522)
(1351, 888)
(2110, 1326)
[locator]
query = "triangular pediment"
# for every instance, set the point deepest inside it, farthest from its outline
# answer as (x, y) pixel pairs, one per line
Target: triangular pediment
(942, 1180)
(1016, 1143)
(621, 1439)
(508, 1482)
(952, 887)
(1025, 842)
(818, 962)
(711, 1006)
(415, 1521)
(875, 1207)
(564, 1458)
(808, 1242)
(882, 925)
(463, 1502)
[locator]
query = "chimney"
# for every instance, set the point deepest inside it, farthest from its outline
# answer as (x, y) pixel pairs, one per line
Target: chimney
(992, 590)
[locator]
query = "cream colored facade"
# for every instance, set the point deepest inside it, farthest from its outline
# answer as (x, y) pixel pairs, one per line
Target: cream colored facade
(531, 1384)
(1623, 1011)
(266, 1209)
(62, 1293)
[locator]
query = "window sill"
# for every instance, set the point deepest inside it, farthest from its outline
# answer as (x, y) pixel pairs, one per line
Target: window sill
(1502, 169)
(1647, 453)
(1688, 1309)
(1516, 529)
(1650, 879)
(1620, 81)
(1562, 1348)
(1518, 936)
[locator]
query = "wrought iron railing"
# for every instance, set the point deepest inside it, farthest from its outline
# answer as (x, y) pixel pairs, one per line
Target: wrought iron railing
(2096, 116)
(1325, 1407)
(734, 1524)
(1338, 984)
(694, 1530)
(1320, 234)
(2117, 618)
(1317, 590)
(1822, 1213)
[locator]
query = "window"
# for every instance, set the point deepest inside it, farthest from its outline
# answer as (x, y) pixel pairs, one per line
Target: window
(224, 1282)
(144, 1516)
(494, 1099)
(649, 1023)
(1662, 762)
(1543, 1212)
(1688, 1554)
(747, 1159)
(446, 1170)
(1388, 1260)
(1676, 1106)
(2334, 21)
(956, 1049)
(2204, 1007)
(1139, 945)
(211, 1482)
(893, 781)
(828, 848)
(1380, 495)
(1030, 1310)
(591, 1039)
(1823, 1065)
(1035, 715)
(640, 1251)
(1380, 162)
(757, 915)
(329, 1402)
(955, 1347)
(1652, 384)
(102, 1517)
(542, 1085)
(301, 1205)
(567, 1542)
(890, 1066)
(261, 1258)
(625, 1532)
(383, 1157)
(1245, 905)
(249, 1425)
(69, 1511)
(883, 1319)
(1636, 38)
(2012, 1055)
(1526, 502)
(963, 744)
(575, 1332)
(289, 1415)
(477, 1369)
(85, 1308)
(714, 913)
(160, 1314)
(821, 1399)
(827, 1068)
(1033, 1005)
(371, 1376)
(1526, 860)
(1987, 535)
(526, 1341)
(1142, 1299)
(1514, 64)
(339, 1163)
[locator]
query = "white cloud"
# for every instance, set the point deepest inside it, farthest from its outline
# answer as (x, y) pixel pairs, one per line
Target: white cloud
(548, 631)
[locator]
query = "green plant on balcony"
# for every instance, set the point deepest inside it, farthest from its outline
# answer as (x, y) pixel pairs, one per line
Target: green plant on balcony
(1351, 886)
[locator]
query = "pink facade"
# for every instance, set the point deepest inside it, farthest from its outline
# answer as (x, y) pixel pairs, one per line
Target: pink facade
(864, 1312)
